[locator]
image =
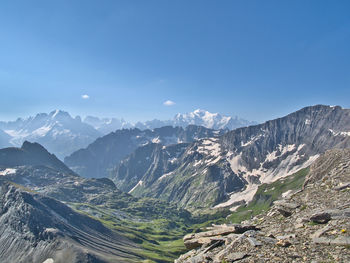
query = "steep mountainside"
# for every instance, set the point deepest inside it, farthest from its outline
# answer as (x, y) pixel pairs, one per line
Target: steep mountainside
(34, 228)
(35, 171)
(147, 163)
(311, 225)
(4, 139)
(31, 154)
(100, 157)
(56, 131)
(227, 170)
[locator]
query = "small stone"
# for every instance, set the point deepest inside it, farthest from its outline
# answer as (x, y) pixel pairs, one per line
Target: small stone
(283, 243)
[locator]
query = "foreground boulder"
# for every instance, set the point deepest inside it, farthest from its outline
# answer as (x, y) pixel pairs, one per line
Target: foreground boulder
(196, 240)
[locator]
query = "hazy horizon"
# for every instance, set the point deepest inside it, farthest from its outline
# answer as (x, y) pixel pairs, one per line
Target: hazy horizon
(144, 60)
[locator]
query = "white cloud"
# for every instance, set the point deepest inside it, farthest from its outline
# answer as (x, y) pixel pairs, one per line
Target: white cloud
(168, 103)
(85, 97)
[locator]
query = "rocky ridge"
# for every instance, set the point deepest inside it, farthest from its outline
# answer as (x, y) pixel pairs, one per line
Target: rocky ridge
(310, 225)
(227, 170)
(101, 156)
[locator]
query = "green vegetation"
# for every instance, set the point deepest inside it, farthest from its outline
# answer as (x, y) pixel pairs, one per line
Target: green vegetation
(22, 187)
(160, 239)
(267, 194)
(158, 228)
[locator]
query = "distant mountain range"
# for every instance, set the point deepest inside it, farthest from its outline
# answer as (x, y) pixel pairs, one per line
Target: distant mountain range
(56, 131)
(62, 134)
(197, 117)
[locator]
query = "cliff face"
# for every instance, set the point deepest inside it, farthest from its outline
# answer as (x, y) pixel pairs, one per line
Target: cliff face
(227, 170)
(311, 225)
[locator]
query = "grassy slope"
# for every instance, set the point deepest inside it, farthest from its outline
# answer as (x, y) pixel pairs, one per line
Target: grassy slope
(160, 240)
(267, 194)
(159, 232)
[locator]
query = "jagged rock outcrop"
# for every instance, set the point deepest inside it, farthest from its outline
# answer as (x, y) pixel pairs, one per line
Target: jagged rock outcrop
(101, 157)
(226, 171)
(315, 230)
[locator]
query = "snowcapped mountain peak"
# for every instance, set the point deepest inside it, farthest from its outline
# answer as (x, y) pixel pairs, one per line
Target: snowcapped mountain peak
(201, 112)
(58, 131)
(59, 114)
(209, 120)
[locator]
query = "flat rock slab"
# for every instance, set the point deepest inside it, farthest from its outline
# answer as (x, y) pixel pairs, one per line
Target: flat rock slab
(236, 256)
(285, 208)
(339, 241)
(236, 229)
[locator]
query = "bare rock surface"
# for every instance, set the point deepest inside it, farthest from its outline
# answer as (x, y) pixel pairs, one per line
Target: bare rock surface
(315, 230)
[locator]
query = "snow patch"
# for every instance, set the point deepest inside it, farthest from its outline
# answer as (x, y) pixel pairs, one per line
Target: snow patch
(210, 147)
(164, 175)
(252, 140)
(8, 171)
(246, 195)
(49, 260)
(156, 140)
(341, 133)
(42, 131)
(285, 194)
(140, 183)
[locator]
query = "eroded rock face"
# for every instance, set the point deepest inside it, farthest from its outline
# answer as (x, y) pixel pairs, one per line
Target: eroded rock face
(225, 171)
(34, 228)
(104, 154)
(316, 228)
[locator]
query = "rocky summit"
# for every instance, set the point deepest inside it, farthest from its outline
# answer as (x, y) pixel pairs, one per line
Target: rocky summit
(309, 225)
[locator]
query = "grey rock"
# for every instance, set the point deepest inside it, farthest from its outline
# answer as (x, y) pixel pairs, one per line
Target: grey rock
(342, 186)
(236, 256)
(198, 239)
(254, 242)
(339, 241)
(285, 208)
(320, 218)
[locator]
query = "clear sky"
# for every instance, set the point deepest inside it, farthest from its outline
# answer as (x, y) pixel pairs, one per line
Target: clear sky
(255, 59)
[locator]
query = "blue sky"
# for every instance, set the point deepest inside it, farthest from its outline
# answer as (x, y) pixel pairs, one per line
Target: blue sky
(255, 59)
